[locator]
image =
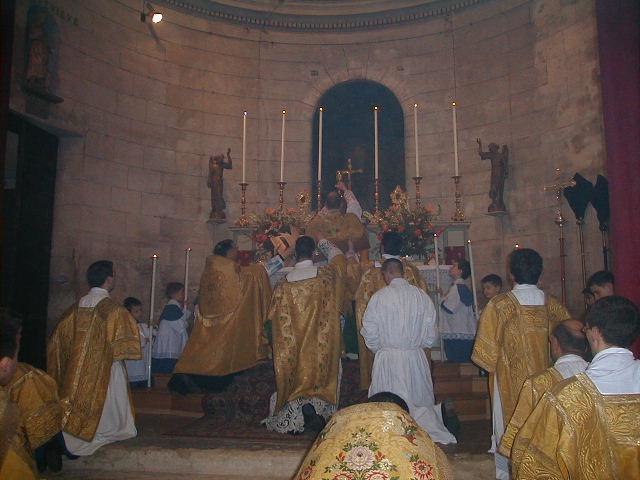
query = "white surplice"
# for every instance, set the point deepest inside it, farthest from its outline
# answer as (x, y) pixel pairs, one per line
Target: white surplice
(116, 422)
(399, 323)
(137, 369)
(570, 365)
(614, 371)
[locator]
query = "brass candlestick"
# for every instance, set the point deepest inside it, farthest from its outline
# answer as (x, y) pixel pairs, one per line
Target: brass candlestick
(418, 200)
(281, 195)
(243, 221)
(458, 216)
(319, 193)
(376, 195)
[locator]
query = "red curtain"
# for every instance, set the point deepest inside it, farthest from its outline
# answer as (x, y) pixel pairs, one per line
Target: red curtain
(619, 47)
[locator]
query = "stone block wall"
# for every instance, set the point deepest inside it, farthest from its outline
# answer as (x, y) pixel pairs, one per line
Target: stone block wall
(146, 105)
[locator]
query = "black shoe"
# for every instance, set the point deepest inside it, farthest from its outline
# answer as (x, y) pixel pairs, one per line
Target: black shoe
(53, 455)
(312, 421)
(450, 418)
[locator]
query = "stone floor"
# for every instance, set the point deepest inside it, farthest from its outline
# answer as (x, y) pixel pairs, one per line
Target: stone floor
(156, 455)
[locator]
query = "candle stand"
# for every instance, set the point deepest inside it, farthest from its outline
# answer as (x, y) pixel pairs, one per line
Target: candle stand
(281, 195)
(244, 220)
(417, 180)
(319, 194)
(458, 216)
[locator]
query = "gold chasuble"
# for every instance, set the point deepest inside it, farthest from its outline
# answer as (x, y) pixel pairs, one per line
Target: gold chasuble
(372, 281)
(339, 229)
(228, 335)
(530, 394)
(80, 354)
(30, 415)
(376, 441)
(578, 433)
(306, 335)
(513, 343)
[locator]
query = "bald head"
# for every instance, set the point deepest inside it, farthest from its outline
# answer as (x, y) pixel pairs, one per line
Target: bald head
(567, 337)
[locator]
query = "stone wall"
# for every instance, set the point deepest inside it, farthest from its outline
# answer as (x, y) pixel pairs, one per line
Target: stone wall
(145, 106)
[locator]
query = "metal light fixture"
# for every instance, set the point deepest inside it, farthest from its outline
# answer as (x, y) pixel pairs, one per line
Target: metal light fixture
(148, 11)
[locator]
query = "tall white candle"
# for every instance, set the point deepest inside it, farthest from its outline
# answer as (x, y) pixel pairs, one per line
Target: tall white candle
(375, 137)
(187, 254)
(473, 278)
(244, 147)
(415, 134)
(320, 144)
(455, 138)
(152, 302)
(284, 113)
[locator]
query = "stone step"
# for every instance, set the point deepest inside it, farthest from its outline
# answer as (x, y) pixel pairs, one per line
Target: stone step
(469, 406)
(161, 400)
(202, 459)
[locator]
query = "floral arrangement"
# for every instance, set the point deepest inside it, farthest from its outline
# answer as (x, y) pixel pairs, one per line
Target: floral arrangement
(414, 224)
(274, 221)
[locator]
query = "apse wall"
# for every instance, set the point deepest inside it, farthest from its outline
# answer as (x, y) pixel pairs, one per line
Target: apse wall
(145, 106)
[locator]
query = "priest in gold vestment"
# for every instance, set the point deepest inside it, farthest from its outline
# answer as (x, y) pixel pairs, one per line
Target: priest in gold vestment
(568, 348)
(228, 335)
(512, 341)
(372, 280)
(305, 313)
(30, 412)
(374, 440)
(588, 426)
(85, 356)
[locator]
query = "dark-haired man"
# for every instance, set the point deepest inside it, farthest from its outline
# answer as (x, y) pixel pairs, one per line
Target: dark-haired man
(85, 355)
(568, 348)
(305, 314)
(601, 284)
(588, 426)
(512, 342)
(399, 323)
(373, 280)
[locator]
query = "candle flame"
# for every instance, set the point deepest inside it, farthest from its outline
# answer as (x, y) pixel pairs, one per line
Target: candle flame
(375, 108)
(244, 113)
(188, 249)
(453, 103)
(435, 235)
(155, 255)
(321, 109)
(517, 246)
(469, 242)
(284, 112)
(415, 105)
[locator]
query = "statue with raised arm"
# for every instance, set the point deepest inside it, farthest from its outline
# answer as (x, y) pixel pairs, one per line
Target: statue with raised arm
(217, 165)
(499, 171)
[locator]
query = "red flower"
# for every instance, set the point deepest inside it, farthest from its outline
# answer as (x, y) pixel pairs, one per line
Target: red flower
(306, 473)
(423, 470)
(377, 475)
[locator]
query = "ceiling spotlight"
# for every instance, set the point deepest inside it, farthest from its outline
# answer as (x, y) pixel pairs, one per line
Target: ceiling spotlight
(148, 11)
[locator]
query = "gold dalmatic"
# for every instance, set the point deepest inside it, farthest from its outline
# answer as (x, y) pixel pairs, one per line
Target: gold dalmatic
(374, 441)
(530, 394)
(578, 433)
(513, 343)
(30, 415)
(228, 336)
(306, 335)
(80, 354)
(372, 281)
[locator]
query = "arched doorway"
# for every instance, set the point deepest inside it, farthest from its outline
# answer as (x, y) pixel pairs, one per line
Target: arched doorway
(348, 133)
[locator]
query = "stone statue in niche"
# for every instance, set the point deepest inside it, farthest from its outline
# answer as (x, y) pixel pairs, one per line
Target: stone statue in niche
(499, 171)
(217, 166)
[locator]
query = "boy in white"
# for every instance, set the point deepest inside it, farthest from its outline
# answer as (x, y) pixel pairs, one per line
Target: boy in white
(399, 323)
(137, 369)
(172, 332)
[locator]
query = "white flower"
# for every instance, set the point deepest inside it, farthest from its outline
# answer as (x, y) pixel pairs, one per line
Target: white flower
(385, 464)
(360, 458)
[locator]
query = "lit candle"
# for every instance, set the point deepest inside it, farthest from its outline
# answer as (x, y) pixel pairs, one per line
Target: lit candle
(375, 137)
(455, 138)
(154, 266)
(244, 146)
(415, 134)
(320, 145)
(284, 113)
(516, 246)
(473, 278)
(187, 254)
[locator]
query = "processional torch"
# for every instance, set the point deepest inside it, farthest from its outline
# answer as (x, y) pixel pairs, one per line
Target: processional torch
(560, 221)
(600, 202)
(578, 198)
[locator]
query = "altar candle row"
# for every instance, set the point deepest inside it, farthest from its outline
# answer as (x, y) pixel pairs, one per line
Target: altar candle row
(376, 146)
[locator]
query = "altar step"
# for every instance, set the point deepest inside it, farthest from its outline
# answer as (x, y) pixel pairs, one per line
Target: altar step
(462, 383)
(159, 400)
